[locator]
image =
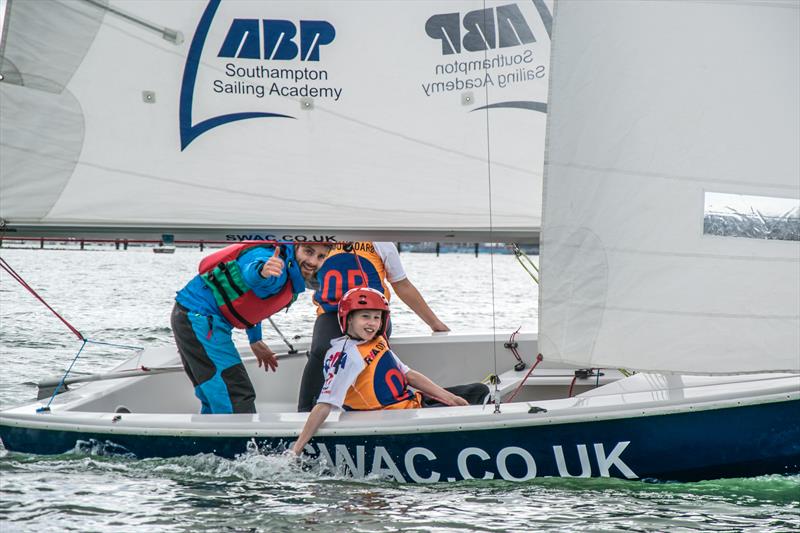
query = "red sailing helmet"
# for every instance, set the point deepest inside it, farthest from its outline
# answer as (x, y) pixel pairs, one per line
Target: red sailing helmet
(363, 298)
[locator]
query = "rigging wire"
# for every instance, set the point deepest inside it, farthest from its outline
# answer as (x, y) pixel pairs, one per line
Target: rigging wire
(496, 382)
(80, 350)
(64, 377)
(519, 254)
(168, 34)
(84, 340)
(5, 266)
(292, 349)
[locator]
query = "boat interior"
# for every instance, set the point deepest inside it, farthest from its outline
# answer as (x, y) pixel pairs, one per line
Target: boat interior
(157, 383)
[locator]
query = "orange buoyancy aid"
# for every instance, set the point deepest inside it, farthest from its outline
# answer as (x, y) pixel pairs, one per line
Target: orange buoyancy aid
(381, 384)
(345, 268)
(236, 300)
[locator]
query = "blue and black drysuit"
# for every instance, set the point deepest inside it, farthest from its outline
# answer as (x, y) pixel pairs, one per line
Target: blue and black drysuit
(203, 335)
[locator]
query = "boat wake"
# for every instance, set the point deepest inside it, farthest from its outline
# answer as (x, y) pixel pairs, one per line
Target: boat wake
(260, 465)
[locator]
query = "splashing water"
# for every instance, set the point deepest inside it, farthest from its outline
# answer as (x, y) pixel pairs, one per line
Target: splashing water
(94, 488)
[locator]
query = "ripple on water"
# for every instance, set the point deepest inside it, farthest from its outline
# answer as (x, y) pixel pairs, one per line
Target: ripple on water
(88, 491)
(205, 492)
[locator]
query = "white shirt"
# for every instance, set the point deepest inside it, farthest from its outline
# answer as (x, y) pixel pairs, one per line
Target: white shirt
(388, 253)
(343, 364)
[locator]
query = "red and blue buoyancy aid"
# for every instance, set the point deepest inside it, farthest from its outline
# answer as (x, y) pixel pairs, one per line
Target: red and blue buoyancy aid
(237, 302)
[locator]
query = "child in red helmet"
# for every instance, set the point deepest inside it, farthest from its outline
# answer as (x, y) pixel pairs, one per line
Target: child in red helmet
(361, 372)
(350, 265)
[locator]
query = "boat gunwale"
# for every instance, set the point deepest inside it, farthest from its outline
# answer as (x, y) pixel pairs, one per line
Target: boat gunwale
(364, 423)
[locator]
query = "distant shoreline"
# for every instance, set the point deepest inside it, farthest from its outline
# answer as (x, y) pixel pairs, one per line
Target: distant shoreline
(403, 247)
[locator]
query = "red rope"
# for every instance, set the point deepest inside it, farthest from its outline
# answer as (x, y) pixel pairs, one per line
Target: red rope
(571, 385)
(539, 358)
(364, 282)
(512, 345)
(22, 282)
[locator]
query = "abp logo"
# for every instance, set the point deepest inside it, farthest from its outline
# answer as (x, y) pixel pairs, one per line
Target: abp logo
(244, 40)
(247, 38)
(486, 29)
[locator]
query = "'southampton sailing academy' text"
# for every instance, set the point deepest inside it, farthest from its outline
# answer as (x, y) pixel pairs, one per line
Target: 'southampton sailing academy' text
(291, 82)
(476, 73)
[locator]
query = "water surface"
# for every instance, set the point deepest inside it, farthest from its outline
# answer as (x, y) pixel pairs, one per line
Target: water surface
(125, 297)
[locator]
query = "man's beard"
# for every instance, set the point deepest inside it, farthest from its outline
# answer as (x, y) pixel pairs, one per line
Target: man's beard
(312, 282)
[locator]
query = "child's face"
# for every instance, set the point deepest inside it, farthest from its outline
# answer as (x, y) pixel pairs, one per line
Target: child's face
(364, 323)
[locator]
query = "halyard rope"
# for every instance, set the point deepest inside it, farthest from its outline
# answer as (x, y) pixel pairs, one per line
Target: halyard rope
(495, 394)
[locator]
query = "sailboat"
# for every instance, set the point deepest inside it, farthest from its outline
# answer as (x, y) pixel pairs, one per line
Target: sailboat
(166, 245)
(651, 116)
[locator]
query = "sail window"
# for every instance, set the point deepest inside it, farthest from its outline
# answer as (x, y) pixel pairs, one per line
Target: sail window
(754, 217)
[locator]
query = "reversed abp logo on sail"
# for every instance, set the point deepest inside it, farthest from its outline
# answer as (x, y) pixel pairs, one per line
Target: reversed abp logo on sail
(499, 52)
(483, 29)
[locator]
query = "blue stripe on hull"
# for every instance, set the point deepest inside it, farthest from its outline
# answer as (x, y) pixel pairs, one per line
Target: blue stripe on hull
(733, 442)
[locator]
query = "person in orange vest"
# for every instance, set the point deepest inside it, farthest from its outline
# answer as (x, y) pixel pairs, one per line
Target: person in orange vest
(236, 287)
(351, 265)
(362, 373)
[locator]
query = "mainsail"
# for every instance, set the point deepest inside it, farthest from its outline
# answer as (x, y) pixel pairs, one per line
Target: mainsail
(657, 111)
(226, 119)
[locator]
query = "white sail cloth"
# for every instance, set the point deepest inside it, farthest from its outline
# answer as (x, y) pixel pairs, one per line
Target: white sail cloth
(652, 106)
(259, 115)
